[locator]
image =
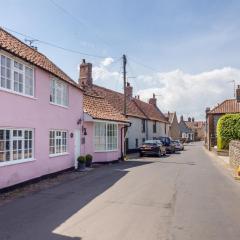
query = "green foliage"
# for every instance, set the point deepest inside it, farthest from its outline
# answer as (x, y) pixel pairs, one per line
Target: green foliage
(89, 160)
(81, 159)
(89, 157)
(228, 128)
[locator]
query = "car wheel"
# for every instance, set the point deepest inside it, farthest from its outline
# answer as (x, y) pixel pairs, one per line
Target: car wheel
(141, 155)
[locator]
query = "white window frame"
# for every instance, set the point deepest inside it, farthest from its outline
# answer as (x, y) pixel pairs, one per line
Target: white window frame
(14, 70)
(63, 147)
(106, 149)
(21, 139)
(58, 86)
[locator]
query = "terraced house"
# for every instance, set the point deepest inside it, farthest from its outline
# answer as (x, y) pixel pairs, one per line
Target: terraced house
(41, 106)
(147, 121)
(47, 119)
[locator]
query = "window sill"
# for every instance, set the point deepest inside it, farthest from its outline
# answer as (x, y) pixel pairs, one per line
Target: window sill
(58, 105)
(106, 151)
(17, 93)
(58, 155)
(14, 162)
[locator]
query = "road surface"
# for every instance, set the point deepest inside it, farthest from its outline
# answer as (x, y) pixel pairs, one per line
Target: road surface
(184, 196)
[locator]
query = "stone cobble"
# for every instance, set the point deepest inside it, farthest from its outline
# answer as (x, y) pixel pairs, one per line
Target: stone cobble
(234, 154)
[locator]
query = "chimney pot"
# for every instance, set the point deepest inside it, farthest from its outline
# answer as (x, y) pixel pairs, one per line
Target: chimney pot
(129, 90)
(238, 93)
(85, 74)
(153, 100)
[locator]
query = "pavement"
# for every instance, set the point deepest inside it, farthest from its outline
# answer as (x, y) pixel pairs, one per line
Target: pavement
(185, 196)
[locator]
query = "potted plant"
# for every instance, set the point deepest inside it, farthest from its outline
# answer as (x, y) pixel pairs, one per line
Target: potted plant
(89, 160)
(81, 162)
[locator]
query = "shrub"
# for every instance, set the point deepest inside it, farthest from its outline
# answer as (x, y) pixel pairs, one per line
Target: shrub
(81, 159)
(89, 160)
(228, 128)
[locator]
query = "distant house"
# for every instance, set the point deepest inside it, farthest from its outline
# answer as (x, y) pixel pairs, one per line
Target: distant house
(198, 127)
(174, 128)
(212, 116)
(186, 133)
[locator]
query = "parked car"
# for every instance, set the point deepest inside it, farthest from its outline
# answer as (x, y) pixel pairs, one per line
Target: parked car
(152, 147)
(168, 143)
(178, 145)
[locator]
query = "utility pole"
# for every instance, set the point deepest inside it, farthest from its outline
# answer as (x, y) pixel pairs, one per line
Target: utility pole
(125, 102)
(124, 84)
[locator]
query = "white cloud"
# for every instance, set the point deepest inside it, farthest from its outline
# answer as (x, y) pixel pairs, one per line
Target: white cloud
(107, 61)
(185, 93)
(190, 94)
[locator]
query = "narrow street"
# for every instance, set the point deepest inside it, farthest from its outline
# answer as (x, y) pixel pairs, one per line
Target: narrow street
(185, 196)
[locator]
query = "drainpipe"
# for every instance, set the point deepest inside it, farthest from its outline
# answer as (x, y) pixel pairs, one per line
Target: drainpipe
(123, 145)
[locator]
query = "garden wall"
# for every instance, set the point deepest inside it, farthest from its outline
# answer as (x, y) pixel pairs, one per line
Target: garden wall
(234, 153)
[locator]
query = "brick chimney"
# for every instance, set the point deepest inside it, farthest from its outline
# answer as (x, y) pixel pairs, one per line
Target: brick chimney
(129, 90)
(153, 100)
(85, 74)
(238, 93)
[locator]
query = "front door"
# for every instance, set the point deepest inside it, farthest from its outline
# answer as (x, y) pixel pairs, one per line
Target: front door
(77, 146)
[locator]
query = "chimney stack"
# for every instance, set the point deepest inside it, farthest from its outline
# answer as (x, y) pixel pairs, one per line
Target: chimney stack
(189, 119)
(181, 118)
(193, 119)
(238, 93)
(129, 90)
(85, 74)
(153, 100)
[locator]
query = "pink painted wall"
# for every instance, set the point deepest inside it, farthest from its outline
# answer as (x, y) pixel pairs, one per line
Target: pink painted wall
(88, 147)
(23, 112)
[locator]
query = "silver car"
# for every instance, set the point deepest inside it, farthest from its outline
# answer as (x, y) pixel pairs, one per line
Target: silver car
(178, 145)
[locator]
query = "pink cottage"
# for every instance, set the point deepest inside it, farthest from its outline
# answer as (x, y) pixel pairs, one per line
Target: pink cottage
(43, 128)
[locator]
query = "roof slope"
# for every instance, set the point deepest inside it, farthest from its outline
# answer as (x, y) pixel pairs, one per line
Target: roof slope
(16, 47)
(98, 108)
(135, 107)
(184, 128)
(195, 124)
(227, 106)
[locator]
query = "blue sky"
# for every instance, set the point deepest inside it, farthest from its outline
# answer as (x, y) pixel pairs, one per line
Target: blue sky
(189, 37)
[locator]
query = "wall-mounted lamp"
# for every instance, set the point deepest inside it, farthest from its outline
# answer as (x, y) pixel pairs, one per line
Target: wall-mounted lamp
(79, 121)
(71, 135)
(84, 131)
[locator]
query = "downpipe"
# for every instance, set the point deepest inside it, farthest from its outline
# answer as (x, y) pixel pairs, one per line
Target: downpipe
(123, 145)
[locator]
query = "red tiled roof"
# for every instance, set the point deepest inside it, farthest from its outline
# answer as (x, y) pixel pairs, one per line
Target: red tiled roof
(98, 108)
(135, 107)
(195, 124)
(16, 47)
(227, 106)
(116, 99)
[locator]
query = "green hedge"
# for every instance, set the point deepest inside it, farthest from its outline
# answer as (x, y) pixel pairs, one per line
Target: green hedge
(228, 128)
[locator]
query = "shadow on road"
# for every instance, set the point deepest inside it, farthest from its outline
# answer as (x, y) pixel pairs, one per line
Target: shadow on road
(37, 215)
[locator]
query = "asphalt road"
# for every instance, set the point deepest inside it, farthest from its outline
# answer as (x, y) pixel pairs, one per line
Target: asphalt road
(185, 196)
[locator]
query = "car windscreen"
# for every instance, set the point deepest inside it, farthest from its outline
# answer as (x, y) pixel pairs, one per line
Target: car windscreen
(149, 142)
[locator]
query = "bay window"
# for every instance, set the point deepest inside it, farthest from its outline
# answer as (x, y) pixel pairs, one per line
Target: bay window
(16, 76)
(105, 136)
(59, 92)
(57, 142)
(16, 144)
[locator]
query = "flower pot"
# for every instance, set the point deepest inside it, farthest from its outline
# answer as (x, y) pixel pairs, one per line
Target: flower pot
(81, 166)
